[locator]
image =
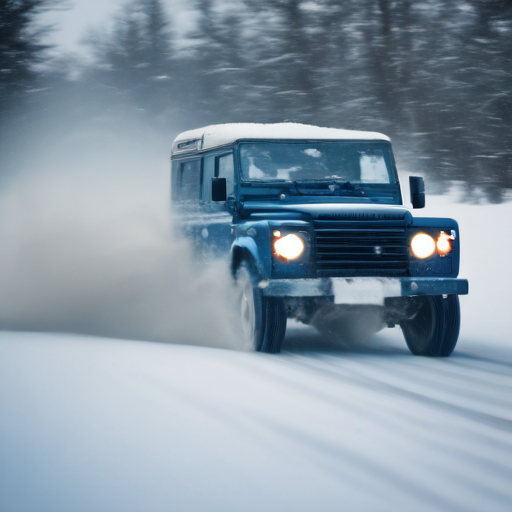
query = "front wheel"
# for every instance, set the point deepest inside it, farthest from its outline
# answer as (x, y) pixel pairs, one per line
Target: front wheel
(263, 318)
(434, 329)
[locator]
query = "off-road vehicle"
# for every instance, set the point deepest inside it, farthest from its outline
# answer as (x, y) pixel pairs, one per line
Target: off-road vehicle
(312, 224)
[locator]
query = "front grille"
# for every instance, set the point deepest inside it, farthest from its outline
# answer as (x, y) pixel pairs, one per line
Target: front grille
(361, 248)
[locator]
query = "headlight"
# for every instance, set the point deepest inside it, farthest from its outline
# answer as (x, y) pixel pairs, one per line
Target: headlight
(289, 247)
(444, 242)
(423, 245)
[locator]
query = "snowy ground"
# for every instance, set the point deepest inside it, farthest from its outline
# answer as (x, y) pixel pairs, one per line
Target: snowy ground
(96, 424)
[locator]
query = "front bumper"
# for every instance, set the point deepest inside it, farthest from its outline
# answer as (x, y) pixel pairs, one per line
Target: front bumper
(364, 290)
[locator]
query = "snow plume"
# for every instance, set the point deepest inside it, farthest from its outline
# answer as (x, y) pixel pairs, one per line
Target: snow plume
(88, 247)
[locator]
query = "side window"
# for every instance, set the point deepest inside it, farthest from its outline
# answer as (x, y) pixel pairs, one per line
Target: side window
(225, 168)
(189, 180)
(175, 180)
(208, 174)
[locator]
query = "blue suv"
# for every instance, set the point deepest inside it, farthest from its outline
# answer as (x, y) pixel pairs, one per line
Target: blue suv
(310, 220)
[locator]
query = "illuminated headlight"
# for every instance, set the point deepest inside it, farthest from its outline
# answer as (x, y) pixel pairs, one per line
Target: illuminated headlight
(423, 245)
(289, 247)
(444, 242)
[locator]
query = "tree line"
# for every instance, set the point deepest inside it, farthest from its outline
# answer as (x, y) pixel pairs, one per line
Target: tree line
(435, 75)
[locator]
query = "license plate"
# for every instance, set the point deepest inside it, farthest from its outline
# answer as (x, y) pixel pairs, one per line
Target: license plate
(364, 291)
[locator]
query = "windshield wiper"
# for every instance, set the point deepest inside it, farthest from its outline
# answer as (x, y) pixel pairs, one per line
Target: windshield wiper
(346, 186)
(297, 190)
(340, 189)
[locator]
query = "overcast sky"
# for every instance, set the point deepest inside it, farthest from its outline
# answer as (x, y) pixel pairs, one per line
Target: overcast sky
(70, 25)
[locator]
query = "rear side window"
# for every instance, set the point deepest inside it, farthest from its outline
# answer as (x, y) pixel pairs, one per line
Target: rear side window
(189, 180)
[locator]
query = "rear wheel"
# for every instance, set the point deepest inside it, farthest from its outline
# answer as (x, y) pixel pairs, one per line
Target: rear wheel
(434, 329)
(263, 318)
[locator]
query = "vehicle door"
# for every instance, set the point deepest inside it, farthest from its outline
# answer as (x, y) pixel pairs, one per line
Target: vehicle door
(218, 217)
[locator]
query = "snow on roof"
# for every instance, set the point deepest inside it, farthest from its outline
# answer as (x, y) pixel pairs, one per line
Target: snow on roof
(221, 134)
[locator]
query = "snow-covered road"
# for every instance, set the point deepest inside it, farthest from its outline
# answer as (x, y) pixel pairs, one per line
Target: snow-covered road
(92, 424)
(97, 424)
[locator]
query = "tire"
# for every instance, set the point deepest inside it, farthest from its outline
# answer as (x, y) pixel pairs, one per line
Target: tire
(263, 318)
(434, 329)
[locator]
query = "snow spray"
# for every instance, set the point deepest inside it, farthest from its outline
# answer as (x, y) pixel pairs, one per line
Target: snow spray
(88, 246)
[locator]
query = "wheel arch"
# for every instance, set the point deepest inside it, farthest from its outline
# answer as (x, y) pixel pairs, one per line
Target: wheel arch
(246, 249)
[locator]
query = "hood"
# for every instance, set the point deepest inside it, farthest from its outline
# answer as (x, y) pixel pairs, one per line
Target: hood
(333, 211)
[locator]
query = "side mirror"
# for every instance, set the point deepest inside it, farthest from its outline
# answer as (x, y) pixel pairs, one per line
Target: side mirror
(219, 189)
(417, 186)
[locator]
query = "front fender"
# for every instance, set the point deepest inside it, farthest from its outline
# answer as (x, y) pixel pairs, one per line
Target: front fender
(245, 247)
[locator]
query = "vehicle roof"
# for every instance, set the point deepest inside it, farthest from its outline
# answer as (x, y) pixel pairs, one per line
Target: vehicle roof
(222, 134)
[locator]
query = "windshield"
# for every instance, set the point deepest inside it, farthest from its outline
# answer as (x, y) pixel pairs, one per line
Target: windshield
(354, 162)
